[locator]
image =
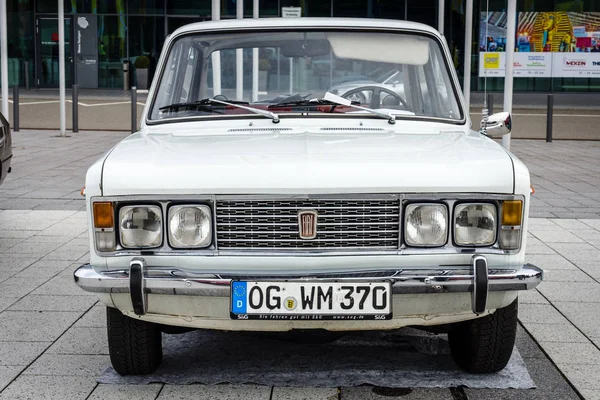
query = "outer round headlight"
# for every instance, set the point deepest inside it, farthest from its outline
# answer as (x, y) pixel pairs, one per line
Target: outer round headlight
(140, 226)
(426, 225)
(475, 224)
(190, 226)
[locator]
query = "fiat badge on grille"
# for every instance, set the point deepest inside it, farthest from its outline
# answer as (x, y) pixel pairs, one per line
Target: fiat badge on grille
(307, 224)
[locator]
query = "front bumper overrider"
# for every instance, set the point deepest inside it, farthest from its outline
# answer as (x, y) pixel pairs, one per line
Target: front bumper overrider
(140, 280)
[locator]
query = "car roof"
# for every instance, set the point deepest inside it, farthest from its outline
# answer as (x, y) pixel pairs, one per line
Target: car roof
(352, 23)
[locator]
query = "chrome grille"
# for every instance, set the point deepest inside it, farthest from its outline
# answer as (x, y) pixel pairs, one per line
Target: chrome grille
(342, 224)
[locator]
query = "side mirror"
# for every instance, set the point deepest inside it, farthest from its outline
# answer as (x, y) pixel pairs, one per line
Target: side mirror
(497, 124)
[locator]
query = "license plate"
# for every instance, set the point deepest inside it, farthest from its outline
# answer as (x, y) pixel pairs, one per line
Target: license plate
(311, 301)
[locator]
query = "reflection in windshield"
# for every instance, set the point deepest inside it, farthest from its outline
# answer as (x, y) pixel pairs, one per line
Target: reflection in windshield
(388, 71)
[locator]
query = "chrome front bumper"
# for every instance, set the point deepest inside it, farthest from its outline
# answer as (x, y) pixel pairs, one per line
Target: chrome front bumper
(140, 280)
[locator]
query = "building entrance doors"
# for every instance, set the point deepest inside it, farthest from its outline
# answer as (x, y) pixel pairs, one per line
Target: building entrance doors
(47, 52)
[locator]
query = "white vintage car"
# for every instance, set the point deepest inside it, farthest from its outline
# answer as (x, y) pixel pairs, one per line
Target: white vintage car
(256, 200)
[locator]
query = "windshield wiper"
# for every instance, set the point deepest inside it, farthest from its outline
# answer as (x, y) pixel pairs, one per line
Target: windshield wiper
(208, 104)
(345, 102)
(305, 102)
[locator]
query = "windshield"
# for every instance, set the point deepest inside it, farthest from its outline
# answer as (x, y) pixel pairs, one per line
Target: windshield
(285, 71)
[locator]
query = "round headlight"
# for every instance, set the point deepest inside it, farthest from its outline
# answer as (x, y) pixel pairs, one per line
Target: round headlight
(190, 226)
(475, 224)
(426, 225)
(140, 226)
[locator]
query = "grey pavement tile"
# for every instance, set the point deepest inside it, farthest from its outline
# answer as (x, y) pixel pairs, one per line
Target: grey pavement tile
(94, 318)
(571, 214)
(30, 247)
(14, 234)
(68, 227)
(58, 239)
(594, 223)
(577, 251)
(61, 285)
(371, 393)
(571, 291)
(7, 374)
(19, 287)
(304, 393)
(21, 353)
(68, 252)
(205, 392)
(539, 313)
(6, 244)
(92, 341)
(590, 394)
(565, 275)
(16, 262)
(42, 269)
(584, 376)
(532, 297)
(540, 222)
(570, 224)
(564, 332)
(585, 316)
(69, 365)
(592, 268)
(528, 348)
(560, 236)
(35, 302)
(6, 302)
(539, 248)
(126, 392)
(34, 326)
(49, 388)
(571, 353)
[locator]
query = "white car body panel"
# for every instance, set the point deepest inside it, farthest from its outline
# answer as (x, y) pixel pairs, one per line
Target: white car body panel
(302, 156)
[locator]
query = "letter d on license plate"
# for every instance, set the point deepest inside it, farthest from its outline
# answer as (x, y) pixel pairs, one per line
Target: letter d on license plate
(311, 301)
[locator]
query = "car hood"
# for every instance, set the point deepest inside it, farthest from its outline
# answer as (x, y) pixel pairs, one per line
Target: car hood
(306, 162)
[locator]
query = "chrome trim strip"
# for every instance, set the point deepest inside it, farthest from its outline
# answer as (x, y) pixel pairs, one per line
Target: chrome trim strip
(177, 282)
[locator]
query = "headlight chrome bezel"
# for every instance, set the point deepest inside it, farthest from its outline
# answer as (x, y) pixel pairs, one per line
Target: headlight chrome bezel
(173, 208)
(158, 210)
(405, 214)
(474, 203)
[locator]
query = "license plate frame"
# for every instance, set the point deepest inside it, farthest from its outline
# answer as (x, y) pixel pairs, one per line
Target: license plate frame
(376, 303)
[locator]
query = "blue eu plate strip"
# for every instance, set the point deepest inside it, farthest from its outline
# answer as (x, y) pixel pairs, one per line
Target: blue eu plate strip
(238, 297)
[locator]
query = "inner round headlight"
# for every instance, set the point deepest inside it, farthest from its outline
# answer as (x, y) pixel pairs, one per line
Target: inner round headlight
(426, 225)
(475, 224)
(140, 226)
(190, 226)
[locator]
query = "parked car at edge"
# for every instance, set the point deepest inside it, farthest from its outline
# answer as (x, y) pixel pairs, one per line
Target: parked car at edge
(5, 148)
(309, 211)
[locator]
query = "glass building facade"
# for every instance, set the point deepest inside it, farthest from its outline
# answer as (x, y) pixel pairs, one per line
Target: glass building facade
(127, 29)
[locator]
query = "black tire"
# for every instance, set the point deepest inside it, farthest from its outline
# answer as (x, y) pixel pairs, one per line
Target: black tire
(135, 346)
(484, 345)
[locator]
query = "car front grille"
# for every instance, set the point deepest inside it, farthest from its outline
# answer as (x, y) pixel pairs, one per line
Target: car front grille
(341, 224)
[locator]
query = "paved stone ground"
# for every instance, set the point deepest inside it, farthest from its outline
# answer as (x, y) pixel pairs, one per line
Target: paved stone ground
(52, 335)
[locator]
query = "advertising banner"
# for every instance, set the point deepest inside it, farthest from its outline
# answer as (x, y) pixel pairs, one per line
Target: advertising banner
(548, 44)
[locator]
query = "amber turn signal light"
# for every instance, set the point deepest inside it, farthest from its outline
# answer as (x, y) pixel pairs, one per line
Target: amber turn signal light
(512, 211)
(104, 215)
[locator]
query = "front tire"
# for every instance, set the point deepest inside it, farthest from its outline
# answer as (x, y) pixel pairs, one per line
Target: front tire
(484, 345)
(135, 346)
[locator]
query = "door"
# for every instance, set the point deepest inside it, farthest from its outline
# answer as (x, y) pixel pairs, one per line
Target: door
(47, 52)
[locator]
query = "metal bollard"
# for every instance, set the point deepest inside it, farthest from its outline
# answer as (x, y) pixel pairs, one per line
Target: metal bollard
(490, 103)
(16, 108)
(75, 108)
(549, 112)
(133, 109)
(26, 75)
